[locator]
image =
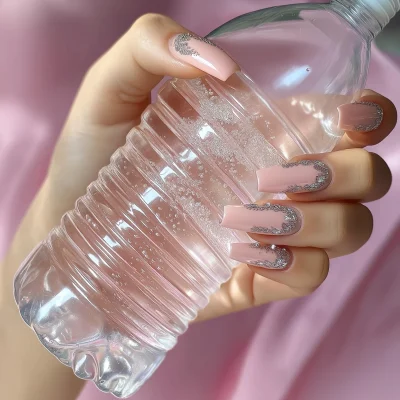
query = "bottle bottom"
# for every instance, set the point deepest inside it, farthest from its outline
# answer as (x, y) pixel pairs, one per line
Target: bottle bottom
(79, 334)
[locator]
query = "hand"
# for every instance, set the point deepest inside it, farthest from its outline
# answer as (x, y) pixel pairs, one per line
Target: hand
(113, 95)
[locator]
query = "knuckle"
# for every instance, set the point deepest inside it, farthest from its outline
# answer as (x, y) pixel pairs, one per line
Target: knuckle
(320, 262)
(147, 21)
(321, 270)
(365, 232)
(365, 172)
(340, 218)
(354, 227)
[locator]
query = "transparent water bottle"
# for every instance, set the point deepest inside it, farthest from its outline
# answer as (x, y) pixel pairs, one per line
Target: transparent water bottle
(110, 289)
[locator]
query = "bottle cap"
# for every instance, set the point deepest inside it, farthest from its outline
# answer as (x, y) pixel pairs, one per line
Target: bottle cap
(383, 10)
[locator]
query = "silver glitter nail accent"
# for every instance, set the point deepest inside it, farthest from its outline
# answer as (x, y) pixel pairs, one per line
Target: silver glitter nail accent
(181, 44)
(322, 180)
(283, 256)
(290, 226)
(378, 120)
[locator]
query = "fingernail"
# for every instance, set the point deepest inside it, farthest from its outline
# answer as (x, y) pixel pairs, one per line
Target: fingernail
(266, 256)
(203, 54)
(296, 177)
(363, 116)
(269, 219)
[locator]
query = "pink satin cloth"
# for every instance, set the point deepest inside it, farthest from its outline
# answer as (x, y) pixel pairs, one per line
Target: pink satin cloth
(340, 343)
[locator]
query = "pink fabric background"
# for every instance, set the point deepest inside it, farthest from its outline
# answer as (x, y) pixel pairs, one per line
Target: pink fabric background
(340, 343)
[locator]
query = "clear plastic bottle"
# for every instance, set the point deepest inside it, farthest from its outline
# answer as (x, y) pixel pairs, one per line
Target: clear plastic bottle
(110, 289)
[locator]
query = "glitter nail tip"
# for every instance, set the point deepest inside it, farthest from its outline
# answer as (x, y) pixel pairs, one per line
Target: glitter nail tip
(268, 219)
(202, 53)
(296, 177)
(261, 255)
(363, 116)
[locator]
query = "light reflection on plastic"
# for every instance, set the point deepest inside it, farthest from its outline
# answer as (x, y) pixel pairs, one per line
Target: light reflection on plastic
(57, 301)
(293, 77)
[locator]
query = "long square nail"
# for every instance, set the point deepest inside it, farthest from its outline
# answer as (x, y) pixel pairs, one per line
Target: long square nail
(261, 255)
(296, 177)
(203, 54)
(361, 116)
(268, 219)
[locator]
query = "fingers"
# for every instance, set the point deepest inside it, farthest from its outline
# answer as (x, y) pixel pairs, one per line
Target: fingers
(367, 122)
(341, 228)
(343, 175)
(306, 271)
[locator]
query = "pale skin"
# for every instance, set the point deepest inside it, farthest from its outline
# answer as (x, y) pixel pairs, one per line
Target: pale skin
(109, 103)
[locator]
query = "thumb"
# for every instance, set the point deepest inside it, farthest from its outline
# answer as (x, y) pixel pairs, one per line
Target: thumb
(117, 87)
(116, 90)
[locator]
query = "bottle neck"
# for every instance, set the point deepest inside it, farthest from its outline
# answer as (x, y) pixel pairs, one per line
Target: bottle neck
(368, 17)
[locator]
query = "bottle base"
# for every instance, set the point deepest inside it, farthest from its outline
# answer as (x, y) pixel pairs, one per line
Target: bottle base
(78, 333)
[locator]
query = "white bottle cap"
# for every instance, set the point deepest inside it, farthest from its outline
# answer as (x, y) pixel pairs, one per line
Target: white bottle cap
(383, 10)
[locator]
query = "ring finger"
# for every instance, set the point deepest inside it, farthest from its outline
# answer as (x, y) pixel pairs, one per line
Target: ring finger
(340, 228)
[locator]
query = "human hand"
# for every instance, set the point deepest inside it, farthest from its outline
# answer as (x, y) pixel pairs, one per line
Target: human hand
(112, 97)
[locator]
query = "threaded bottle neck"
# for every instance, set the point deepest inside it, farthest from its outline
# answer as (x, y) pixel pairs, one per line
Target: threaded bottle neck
(368, 16)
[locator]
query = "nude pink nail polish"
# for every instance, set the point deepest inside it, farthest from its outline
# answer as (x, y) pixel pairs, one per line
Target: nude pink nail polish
(362, 116)
(203, 54)
(261, 255)
(268, 219)
(297, 177)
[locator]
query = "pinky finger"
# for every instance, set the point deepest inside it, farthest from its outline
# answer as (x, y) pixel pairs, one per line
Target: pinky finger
(302, 270)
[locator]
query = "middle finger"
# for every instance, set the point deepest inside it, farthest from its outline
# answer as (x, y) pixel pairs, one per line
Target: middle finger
(354, 174)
